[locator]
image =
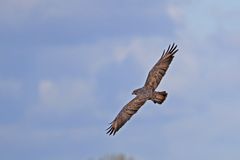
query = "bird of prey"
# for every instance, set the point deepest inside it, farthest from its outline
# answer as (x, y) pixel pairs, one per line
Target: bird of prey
(147, 92)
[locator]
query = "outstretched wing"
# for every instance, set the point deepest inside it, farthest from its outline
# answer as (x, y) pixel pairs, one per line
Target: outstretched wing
(159, 69)
(126, 113)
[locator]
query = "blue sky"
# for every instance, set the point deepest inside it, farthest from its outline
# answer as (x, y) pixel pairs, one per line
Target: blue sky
(68, 67)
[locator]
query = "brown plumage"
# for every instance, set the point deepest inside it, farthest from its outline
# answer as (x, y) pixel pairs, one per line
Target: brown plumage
(159, 69)
(147, 92)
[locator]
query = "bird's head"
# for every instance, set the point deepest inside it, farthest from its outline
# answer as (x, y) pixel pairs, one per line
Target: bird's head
(137, 91)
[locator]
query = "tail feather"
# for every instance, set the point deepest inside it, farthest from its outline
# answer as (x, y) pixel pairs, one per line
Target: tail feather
(159, 97)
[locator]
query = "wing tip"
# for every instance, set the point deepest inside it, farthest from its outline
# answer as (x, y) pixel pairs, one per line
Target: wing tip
(172, 49)
(111, 130)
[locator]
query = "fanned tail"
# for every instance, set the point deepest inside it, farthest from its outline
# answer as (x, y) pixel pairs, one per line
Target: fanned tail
(159, 97)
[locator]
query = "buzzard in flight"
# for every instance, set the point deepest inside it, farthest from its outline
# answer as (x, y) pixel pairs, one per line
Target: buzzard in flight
(147, 92)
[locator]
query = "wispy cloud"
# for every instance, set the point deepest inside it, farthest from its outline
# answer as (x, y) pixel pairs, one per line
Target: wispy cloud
(61, 98)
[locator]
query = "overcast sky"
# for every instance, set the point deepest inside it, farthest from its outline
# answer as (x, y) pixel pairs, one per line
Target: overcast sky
(68, 67)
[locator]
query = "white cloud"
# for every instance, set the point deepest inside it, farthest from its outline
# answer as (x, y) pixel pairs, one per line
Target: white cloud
(175, 12)
(63, 97)
(143, 49)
